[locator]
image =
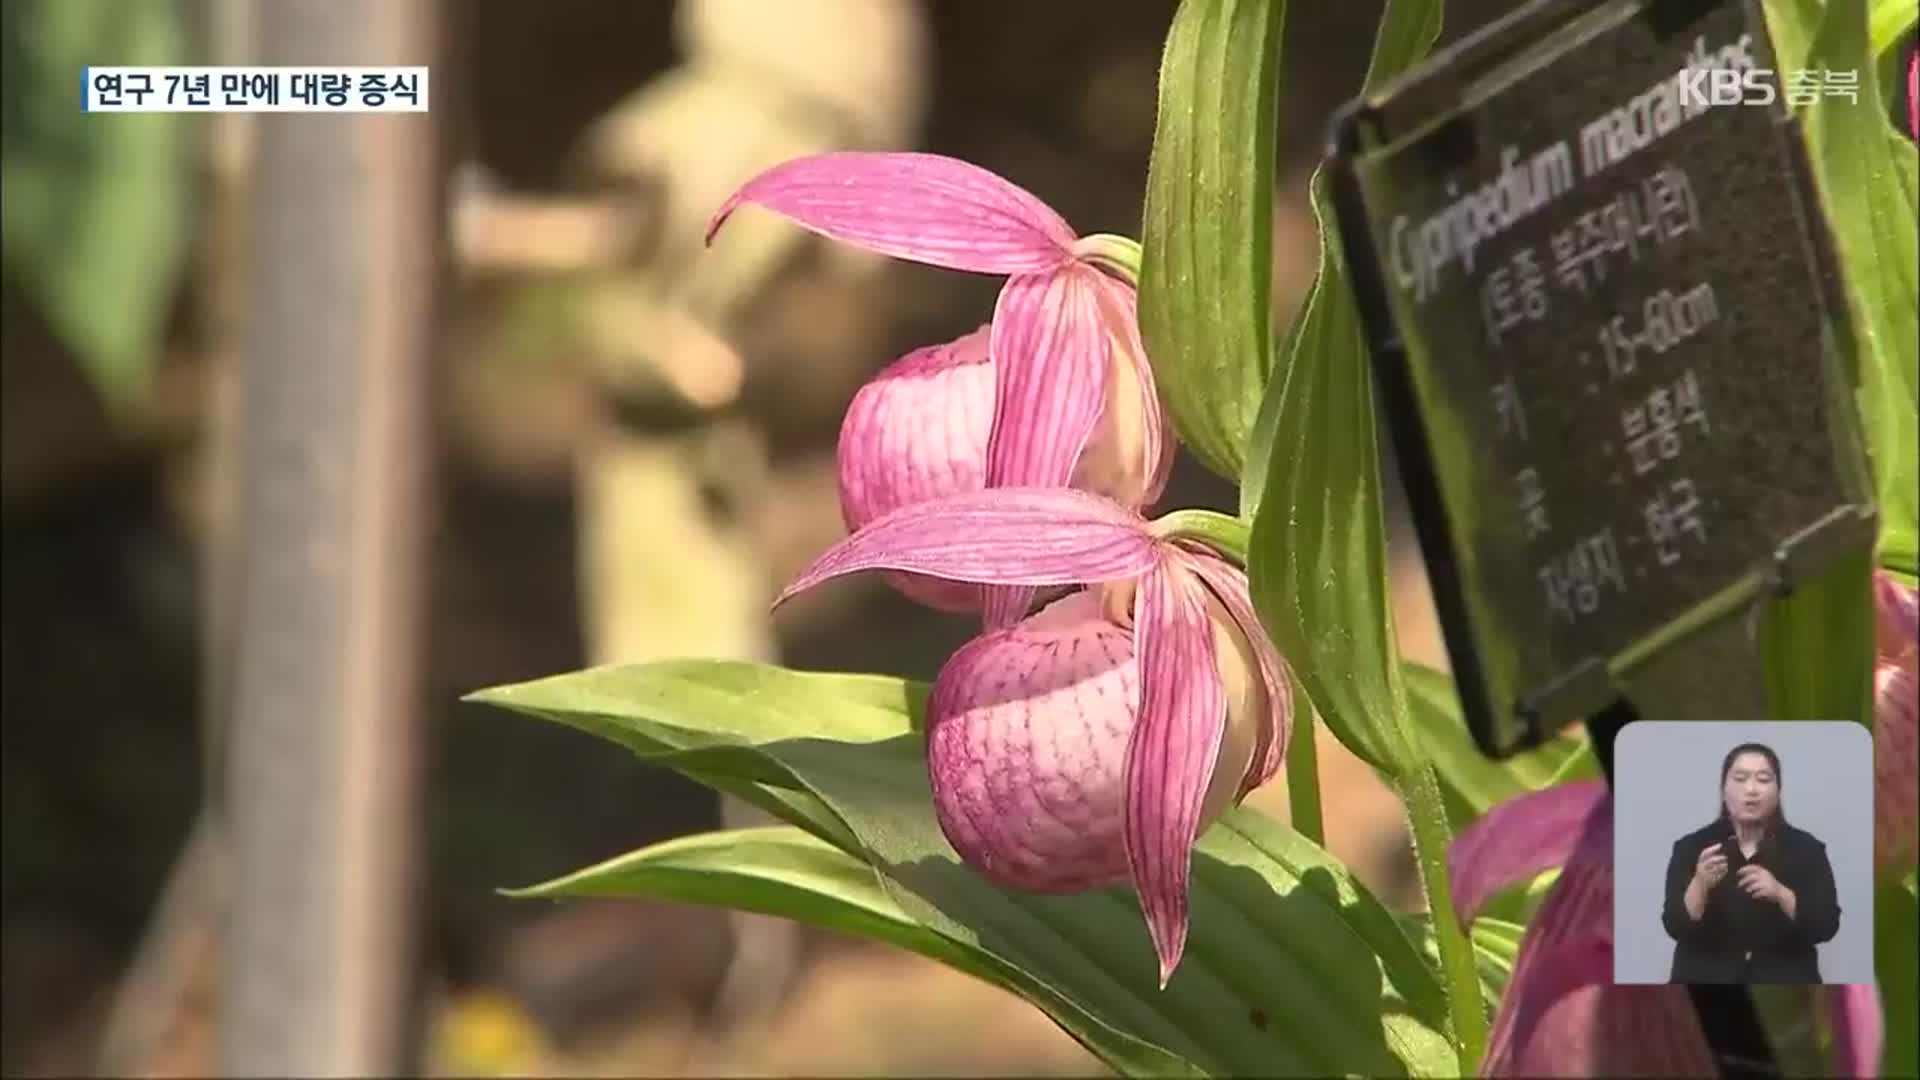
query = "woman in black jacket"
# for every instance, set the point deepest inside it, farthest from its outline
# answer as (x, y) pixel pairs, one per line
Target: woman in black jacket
(1749, 896)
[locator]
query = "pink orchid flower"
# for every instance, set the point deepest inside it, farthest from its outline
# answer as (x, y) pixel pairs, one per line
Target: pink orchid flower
(1055, 391)
(1091, 742)
(1561, 1014)
(1896, 749)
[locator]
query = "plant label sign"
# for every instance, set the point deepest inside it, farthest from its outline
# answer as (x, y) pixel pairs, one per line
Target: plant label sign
(1597, 287)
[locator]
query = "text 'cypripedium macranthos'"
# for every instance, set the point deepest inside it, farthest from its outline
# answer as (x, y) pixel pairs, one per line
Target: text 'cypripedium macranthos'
(1055, 392)
(1091, 742)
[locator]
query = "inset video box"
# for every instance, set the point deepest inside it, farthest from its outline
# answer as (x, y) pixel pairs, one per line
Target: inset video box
(1597, 286)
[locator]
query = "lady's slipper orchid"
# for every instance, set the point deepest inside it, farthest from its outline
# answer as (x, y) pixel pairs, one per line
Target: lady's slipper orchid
(1562, 1015)
(1073, 399)
(1093, 741)
(1896, 748)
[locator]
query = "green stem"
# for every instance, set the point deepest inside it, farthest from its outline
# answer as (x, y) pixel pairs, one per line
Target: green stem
(1303, 775)
(1224, 534)
(1118, 255)
(1420, 787)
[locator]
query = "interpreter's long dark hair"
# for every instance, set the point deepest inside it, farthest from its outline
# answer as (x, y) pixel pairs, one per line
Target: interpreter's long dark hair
(1775, 821)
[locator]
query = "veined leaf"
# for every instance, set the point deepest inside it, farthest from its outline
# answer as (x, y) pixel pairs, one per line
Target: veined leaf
(1291, 967)
(1311, 483)
(1206, 241)
(1317, 556)
(1867, 175)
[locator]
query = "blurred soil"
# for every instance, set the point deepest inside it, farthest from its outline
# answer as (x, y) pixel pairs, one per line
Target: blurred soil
(98, 630)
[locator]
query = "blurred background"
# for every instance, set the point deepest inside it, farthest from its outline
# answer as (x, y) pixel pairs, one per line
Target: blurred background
(313, 424)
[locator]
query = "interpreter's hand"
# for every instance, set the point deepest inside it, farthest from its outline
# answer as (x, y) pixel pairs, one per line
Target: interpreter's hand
(1760, 884)
(1710, 867)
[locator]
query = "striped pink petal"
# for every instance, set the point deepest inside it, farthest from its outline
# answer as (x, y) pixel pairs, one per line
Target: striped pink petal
(1052, 366)
(1004, 536)
(1227, 586)
(1130, 453)
(1171, 758)
(1859, 1028)
(923, 207)
(1027, 732)
(1913, 94)
(918, 431)
(1517, 841)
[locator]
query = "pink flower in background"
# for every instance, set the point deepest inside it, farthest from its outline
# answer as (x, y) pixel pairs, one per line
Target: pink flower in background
(1071, 399)
(1561, 1014)
(1913, 92)
(1091, 742)
(1896, 748)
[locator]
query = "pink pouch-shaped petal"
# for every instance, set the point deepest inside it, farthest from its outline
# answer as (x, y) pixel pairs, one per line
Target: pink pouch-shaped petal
(1172, 756)
(1051, 362)
(1274, 698)
(1517, 841)
(923, 207)
(914, 432)
(1026, 735)
(1001, 536)
(1896, 610)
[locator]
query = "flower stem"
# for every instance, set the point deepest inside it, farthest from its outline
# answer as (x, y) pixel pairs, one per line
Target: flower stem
(1420, 787)
(1303, 776)
(1118, 255)
(1226, 535)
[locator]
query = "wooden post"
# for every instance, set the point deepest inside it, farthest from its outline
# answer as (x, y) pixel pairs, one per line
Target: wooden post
(322, 795)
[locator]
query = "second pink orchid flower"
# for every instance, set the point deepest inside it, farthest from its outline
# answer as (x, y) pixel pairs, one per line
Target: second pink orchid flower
(1056, 391)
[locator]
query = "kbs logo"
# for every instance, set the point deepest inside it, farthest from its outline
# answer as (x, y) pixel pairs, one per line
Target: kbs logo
(1700, 88)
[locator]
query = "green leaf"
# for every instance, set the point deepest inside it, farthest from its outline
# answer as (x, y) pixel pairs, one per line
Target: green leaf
(1867, 175)
(1318, 552)
(1896, 967)
(1888, 21)
(1291, 967)
(94, 219)
(1472, 782)
(1206, 260)
(1818, 644)
(784, 871)
(1317, 559)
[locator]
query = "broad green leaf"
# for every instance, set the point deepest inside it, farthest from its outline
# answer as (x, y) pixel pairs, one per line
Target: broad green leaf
(1292, 967)
(1791, 24)
(94, 219)
(1818, 644)
(1888, 21)
(784, 871)
(1207, 236)
(1318, 551)
(1473, 782)
(1867, 172)
(1317, 558)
